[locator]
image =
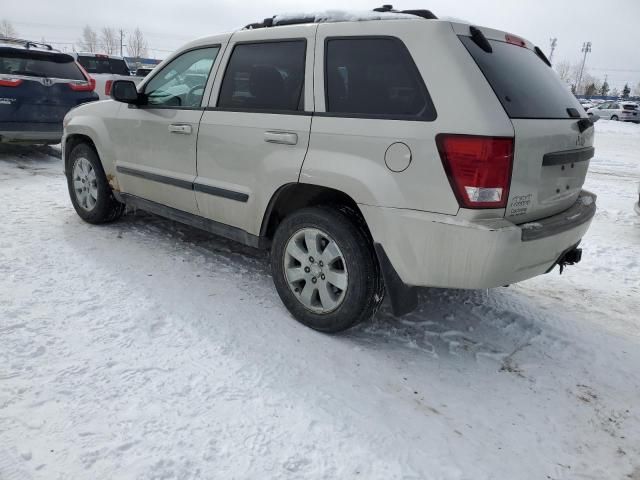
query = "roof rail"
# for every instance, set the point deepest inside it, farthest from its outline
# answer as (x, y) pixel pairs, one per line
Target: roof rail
(427, 14)
(26, 43)
(277, 22)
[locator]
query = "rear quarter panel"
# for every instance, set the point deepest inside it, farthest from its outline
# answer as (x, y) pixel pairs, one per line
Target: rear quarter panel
(348, 153)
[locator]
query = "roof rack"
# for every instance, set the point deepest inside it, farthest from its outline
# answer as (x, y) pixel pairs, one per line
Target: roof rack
(27, 43)
(292, 20)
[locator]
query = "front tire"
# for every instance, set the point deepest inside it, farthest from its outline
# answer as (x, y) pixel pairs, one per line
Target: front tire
(89, 189)
(325, 269)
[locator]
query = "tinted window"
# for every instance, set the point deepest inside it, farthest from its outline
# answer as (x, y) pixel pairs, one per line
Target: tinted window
(114, 66)
(525, 85)
(182, 81)
(39, 64)
(614, 106)
(265, 76)
(374, 76)
(630, 107)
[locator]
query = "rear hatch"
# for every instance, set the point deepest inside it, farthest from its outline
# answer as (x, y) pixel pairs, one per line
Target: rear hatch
(551, 154)
(39, 87)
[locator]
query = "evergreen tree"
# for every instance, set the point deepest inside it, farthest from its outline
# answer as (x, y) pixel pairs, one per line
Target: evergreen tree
(626, 91)
(604, 90)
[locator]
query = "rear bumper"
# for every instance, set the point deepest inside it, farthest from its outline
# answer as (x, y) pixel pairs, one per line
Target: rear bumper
(31, 133)
(435, 250)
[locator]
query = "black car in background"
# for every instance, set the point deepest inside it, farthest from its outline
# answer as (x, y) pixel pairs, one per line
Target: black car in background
(38, 86)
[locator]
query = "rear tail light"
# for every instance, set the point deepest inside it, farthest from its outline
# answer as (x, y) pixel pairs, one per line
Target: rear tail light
(80, 86)
(10, 82)
(479, 168)
(88, 86)
(107, 87)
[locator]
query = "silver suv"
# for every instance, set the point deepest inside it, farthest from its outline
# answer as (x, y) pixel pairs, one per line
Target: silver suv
(372, 154)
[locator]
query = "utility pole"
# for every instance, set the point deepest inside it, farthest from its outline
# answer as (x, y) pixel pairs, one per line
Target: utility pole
(586, 48)
(554, 43)
(121, 39)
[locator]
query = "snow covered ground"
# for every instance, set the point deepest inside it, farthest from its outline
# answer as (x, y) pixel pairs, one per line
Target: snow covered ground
(148, 350)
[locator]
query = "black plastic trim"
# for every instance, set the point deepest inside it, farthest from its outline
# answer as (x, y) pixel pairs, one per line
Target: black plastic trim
(259, 110)
(581, 212)
(175, 182)
(542, 56)
(479, 39)
(187, 185)
(211, 226)
(403, 298)
(221, 192)
(568, 156)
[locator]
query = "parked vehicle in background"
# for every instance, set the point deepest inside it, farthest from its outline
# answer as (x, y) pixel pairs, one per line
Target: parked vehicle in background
(618, 111)
(586, 105)
(143, 71)
(105, 69)
(388, 188)
(38, 86)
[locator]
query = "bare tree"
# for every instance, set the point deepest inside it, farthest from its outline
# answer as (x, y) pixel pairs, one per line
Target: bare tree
(89, 40)
(563, 69)
(7, 30)
(109, 41)
(136, 44)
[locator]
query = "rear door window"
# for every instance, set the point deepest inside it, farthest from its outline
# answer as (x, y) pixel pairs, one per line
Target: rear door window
(39, 64)
(374, 77)
(265, 76)
(525, 85)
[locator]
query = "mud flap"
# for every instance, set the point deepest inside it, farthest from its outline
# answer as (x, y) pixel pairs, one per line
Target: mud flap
(404, 298)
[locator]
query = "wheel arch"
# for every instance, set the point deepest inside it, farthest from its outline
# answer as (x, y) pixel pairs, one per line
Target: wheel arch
(294, 196)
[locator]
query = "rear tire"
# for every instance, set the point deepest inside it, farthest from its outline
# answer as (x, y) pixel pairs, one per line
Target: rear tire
(341, 292)
(89, 190)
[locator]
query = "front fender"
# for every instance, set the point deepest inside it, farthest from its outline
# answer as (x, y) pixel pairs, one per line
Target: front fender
(92, 121)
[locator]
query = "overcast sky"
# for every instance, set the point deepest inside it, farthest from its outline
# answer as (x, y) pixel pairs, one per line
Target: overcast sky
(613, 26)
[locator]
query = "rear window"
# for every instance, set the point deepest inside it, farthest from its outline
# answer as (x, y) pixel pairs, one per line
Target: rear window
(113, 66)
(630, 107)
(525, 85)
(39, 64)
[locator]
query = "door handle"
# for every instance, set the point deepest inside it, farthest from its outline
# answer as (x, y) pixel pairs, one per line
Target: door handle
(285, 138)
(184, 129)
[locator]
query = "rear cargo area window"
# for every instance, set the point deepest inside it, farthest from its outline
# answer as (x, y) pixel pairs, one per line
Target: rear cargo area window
(265, 76)
(524, 84)
(112, 66)
(39, 64)
(374, 76)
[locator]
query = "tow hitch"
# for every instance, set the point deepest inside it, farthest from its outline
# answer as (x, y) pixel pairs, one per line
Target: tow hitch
(570, 257)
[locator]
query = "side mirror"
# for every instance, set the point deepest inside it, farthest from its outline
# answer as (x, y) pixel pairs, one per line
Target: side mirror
(125, 91)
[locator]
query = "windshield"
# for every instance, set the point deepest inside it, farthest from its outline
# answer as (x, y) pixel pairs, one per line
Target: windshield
(39, 64)
(113, 66)
(525, 85)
